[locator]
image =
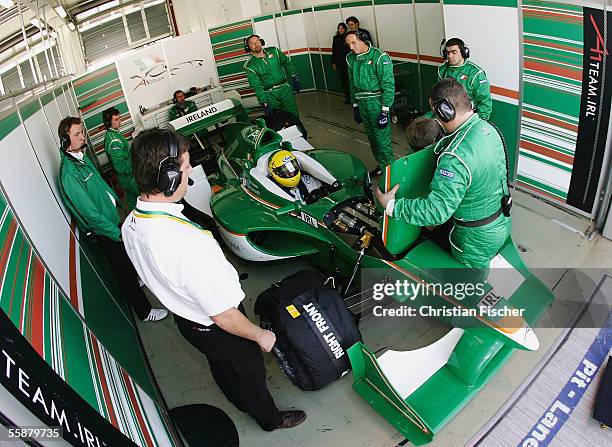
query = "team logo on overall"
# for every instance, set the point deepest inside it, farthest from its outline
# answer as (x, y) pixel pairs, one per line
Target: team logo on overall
(463, 77)
(446, 173)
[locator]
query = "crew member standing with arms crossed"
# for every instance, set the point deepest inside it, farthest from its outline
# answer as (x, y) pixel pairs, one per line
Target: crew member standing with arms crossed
(372, 93)
(267, 71)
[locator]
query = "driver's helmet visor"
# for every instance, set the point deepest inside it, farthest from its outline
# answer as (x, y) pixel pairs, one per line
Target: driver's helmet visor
(289, 169)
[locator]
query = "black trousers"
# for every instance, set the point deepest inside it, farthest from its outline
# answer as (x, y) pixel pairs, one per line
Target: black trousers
(344, 79)
(126, 275)
(238, 368)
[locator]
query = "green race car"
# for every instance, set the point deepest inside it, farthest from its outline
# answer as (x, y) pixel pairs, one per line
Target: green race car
(342, 231)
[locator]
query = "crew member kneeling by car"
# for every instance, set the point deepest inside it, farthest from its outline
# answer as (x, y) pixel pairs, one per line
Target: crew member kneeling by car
(184, 267)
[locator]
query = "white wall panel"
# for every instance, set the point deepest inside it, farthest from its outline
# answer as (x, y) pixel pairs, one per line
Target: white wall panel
(310, 30)
(34, 203)
(47, 152)
(396, 30)
(327, 24)
(296, 33)
(267, 31)
(281, 33)
(62, 103)
(430, 26)
(53, 117)
(499, 53)
(71, 99)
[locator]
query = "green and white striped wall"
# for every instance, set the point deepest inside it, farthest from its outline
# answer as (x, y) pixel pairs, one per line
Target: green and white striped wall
(228, 50)
(552, 81)
(54, 288)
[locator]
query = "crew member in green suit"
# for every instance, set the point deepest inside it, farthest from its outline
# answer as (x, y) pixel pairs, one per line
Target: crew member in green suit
(372, 93)
(181, 105)
(468, 74)
(469, 184)
(267, 71)
(93, 205)
(117, 149)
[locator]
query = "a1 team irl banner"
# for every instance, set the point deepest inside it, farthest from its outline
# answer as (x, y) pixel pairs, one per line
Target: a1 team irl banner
(594, 110)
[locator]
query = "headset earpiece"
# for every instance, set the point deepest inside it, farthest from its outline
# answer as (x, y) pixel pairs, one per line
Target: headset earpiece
(443, 51)
(465, 51)
(169, 174)
(65, 141)
(106, 119)
(444, 109)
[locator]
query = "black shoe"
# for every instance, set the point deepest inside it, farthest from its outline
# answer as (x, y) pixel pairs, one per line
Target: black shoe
(375, 172)
(292, 418)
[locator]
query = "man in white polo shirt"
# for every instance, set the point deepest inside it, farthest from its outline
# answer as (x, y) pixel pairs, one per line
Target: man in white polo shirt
(182, 264)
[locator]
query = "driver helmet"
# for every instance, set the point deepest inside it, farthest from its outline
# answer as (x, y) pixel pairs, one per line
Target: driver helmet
(284, 168)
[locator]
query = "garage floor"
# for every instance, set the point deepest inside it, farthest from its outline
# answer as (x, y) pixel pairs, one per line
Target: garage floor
(552, 241)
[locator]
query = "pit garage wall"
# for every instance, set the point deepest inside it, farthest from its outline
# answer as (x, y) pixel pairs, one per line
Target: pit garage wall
(534, 56)
(498, 54)
(566, 102)
(55, 296)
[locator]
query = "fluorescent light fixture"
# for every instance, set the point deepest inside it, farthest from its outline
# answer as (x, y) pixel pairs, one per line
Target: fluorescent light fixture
(60, 11)
(36, 23)
(7, 3)
(71, 26)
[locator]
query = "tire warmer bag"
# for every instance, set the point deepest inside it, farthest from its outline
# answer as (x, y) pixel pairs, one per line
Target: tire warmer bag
(313, 329)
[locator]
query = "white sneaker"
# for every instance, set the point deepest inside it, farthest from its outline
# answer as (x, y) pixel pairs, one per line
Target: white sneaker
(156, 315)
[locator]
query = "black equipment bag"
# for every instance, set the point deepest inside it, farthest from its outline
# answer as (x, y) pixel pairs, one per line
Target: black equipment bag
(603, 401)
(205, 426)
(313, 329)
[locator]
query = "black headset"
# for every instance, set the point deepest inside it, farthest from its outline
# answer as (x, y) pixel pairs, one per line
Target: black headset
(65, 141)
(246, 42)
(463, 49)
(444, 109)
(64, 138)
(169, 173)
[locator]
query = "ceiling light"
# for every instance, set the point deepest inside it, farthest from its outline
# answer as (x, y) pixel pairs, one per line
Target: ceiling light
(7, 3)
(60, 11)
(71, 26)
